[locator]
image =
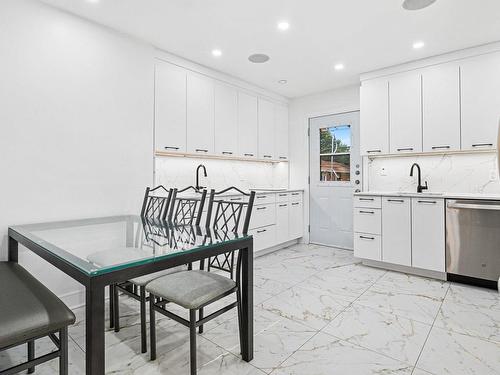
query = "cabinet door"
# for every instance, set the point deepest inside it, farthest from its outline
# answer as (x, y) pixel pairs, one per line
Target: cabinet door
(396, 230)
(170, 108)
(405, 113)
(374, 131)
(480, 83)
(226, 120)
(200, 114)
(428, 244)
(282, 214)
(441, 108)
(266, 129)
(296, 220)
(281, 135)
(247, 125)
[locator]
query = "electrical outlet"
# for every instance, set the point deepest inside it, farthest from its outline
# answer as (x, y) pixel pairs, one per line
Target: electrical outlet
(493, 175)
(383, 171)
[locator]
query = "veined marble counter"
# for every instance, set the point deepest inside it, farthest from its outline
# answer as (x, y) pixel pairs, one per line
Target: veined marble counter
(232, 193)
(430, 195)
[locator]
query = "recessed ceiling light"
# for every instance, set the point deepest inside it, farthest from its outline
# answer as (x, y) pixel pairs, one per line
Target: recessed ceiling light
(258, 58)
(418, 45)
(283, 25)
(417, 4)
(338, 66)
(216, 52)
(282, 81)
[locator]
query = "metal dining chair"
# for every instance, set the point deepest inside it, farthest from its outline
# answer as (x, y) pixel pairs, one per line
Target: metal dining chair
(196, 289)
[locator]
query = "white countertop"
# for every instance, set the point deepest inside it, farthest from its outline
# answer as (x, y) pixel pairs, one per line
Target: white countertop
(234, 192)
(431, 194)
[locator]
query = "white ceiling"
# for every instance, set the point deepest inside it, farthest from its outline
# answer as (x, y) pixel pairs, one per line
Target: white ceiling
(364, 35)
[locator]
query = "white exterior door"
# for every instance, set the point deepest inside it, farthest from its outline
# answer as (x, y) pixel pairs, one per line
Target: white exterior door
(335, 173)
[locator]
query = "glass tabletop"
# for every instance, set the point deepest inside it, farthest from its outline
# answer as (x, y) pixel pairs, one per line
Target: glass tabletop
(101, 245)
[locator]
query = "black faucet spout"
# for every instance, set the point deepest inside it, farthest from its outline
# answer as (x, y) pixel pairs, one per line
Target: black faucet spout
(420, 187)
(201, 166)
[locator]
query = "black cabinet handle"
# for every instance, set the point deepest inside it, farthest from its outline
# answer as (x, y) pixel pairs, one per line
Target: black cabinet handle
(248, 154)
(405, 149)
(283, 157)
(367, 212)
(427, 202)
(235, 199)
(171, 148)
(261, 208)
(283, 205)
(282, 195)
(440, 147)
(201, 150)
(268, 156)
(395, 200)
(482, 144)
(367, 238)
(373, 151)
(262, 230)
(227, 153)
(366, 199)
(295, 204)
(261, 196)
(295, 193)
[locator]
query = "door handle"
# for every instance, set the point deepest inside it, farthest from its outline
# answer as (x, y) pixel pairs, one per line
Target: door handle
(491, 207)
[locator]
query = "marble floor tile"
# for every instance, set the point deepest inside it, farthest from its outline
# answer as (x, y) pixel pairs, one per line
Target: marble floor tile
(276, 338)
(314, 308)
(447, 352)
(409, 305)
(357, 273)
(384, 333)
(417, 371)
(471, 295)
(18, 354)
(326, 355)
(285, 272)
(413, 284)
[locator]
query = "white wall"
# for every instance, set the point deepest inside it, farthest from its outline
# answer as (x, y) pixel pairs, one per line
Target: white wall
(301, 109)
(75, 123)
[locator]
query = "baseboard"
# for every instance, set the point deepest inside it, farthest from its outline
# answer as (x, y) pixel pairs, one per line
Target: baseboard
(275, 248)
(405, 269)
(473, 281)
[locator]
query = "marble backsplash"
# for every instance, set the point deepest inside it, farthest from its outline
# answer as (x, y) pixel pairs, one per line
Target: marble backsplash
(452, 173)
(180, 172)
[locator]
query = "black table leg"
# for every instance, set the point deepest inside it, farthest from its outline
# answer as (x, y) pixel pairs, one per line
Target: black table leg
(94, 326)
(13, 250)
(246, 339)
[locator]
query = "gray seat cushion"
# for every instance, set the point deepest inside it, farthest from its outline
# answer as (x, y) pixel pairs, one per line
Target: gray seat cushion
(27, 308)
(146, 279)
(129, 254)
(190, 289)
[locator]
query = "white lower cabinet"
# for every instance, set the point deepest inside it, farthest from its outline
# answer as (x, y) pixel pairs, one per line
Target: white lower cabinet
(428, 234)
(396, 230)
(282, 226)
(296, 220)
(406, 231)
(367, 246)
(264, 237)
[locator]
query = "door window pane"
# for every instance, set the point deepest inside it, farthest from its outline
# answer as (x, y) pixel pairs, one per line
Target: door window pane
(335, 153)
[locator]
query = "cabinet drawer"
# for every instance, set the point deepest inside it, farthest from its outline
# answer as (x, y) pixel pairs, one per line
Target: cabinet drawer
(296, 196)
(282, 197)
(263, 215)
(264, 199)
(367, 246)
(367, 220)
(263, 238)
(367, 201)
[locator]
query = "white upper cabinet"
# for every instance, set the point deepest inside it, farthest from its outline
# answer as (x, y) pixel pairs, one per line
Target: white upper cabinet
(170, 108)
(441, 108)
(247, 125)
(266, 129)
(405, 113)
(200, 114)
(374, 132)
(281, 134)
(480, 84)
(226, 120)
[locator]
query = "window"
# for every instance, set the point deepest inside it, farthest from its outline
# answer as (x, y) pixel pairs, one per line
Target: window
(335, 153)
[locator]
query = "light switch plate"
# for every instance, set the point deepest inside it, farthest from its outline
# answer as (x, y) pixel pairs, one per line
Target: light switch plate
(383, 171)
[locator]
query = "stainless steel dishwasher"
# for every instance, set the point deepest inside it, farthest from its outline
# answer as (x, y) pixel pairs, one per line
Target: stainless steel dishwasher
(473, 239)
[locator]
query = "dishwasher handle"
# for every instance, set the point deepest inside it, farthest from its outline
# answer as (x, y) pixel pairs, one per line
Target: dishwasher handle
(475, 206)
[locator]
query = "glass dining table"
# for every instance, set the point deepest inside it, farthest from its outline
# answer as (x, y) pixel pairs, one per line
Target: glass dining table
(157, 245)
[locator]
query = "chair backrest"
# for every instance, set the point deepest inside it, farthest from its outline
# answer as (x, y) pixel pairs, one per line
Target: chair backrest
(187, 210)
(156, 203)
(228, 214)
(228, 211)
